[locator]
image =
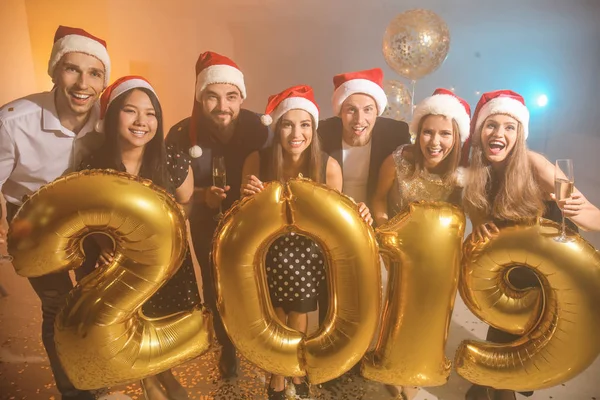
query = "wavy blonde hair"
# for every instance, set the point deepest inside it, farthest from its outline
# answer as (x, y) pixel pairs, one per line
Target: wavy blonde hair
(450, 162)
(514, 196)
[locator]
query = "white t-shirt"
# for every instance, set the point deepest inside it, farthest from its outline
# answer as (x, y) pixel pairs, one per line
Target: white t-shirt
(35, 148)
(356, 162)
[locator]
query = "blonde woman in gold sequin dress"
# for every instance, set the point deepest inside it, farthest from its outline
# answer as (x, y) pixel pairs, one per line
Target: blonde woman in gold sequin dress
(426, 170)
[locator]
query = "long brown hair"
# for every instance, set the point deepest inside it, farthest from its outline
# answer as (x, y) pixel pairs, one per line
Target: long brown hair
(450, 162)
(313, 160)
(512, 194)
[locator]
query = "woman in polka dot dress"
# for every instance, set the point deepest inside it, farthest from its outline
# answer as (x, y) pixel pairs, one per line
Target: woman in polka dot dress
(134, 143)
(294, 263)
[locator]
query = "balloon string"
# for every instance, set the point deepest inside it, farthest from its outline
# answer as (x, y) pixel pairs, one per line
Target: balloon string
(412, 97)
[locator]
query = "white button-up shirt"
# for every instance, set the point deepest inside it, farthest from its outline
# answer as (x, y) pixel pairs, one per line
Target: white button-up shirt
(35, 148)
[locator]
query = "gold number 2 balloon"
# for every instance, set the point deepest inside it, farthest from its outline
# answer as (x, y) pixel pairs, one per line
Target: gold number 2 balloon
(559, 321)
(102, 338)
(243, 299)
(424, 246)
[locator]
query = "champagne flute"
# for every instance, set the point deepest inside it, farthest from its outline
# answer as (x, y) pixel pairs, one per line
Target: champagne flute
(564, 180)
(219, 174)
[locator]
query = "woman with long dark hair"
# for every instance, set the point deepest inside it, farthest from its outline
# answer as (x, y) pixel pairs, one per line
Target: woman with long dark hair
(294, 263)
(131, 118)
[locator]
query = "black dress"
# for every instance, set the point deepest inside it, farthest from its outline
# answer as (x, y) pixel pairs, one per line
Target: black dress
(179, 293)
(295, 263)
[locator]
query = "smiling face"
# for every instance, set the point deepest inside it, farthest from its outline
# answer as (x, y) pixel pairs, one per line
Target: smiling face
(436, 139)
(499, 135)
(79, 80)
(137, 123)
(221, 103)
(295, 132)
(358, 114)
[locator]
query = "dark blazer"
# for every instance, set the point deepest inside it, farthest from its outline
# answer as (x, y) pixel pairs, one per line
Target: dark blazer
(387, 135)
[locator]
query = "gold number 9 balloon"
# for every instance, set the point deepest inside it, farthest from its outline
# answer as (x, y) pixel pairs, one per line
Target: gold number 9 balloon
(102, 338)
(424, 246)
(559, 321)
(243, 299)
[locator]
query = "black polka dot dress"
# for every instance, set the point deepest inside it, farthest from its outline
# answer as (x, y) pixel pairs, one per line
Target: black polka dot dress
(180, 293)
(295, 270)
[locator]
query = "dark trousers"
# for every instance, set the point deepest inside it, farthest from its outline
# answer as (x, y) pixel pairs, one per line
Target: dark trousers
(52, 290)
(202, 241)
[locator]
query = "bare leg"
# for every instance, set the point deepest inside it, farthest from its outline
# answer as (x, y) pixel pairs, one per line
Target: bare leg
(299, 322)
(278, 381)
(174, 389)
(152, 389)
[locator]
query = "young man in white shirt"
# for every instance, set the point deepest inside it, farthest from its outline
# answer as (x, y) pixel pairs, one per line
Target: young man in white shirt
(44, 135)
(359, 139)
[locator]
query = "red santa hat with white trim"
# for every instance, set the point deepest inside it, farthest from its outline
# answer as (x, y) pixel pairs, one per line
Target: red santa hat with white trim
(369, 82)
(504, 102)
(444, 102)
(299, 97)
(211, 68)
(119, 87)
(76, 40)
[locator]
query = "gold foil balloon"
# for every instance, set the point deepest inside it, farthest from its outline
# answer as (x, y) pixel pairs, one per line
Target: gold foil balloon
(560, 321)
(102, 338)
(416, 43)
(424, 247)
(399, 101)
(350, 249)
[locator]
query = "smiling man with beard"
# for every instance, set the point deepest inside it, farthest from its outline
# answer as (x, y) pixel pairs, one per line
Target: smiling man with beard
(44, 135)
(218, 127)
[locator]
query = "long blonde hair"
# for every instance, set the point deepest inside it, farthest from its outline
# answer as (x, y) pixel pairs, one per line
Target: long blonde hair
(514, 194)
(451, 161)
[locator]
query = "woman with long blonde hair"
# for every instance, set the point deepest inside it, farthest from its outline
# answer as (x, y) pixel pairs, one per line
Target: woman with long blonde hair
(507, 184)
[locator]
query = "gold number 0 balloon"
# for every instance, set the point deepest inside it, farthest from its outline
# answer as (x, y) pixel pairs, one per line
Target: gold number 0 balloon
(242, 292)
(101, 336)
(424, 245)
(560, 321)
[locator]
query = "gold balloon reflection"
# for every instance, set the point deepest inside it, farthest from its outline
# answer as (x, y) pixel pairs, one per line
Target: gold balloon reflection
(102, 338)
(351, 252)
(559, 321)
(423, 249)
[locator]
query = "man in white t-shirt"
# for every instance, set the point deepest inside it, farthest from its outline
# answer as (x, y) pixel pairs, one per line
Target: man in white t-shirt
(359, 139)
(44, 135)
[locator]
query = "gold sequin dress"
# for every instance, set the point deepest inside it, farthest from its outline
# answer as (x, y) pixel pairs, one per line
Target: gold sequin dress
(425, 187)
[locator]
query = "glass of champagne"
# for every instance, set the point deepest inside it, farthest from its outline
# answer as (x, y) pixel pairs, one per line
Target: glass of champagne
(219, 174)
(564, 180)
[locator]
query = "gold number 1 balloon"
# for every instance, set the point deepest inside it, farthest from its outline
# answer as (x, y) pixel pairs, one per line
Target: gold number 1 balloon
(243, 298)
(424, 245)
(559, 321)
(102, 339)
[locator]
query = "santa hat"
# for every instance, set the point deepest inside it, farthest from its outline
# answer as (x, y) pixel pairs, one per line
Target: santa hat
(299, 97)
(446, 103)
(211, 68)
(215, 68)
(75, 40)
(369, 82)
(120, 86)
(504, 102)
